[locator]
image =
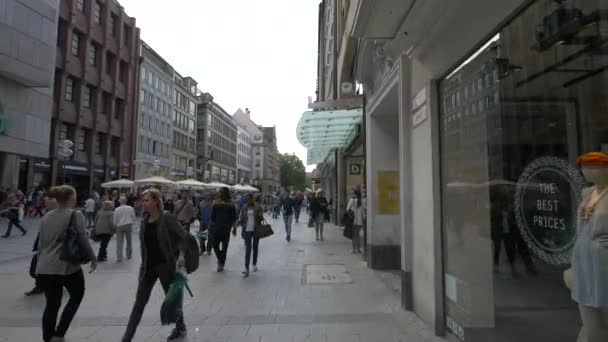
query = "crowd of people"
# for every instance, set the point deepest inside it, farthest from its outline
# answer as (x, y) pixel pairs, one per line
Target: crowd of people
(165, 221)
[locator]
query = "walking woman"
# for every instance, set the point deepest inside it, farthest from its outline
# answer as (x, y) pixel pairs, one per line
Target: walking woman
(319, 212)
(162, 241)
(223, 219)
(355, 205)
(53, 273)
(251, 217)
(104, 229)
(14, 214)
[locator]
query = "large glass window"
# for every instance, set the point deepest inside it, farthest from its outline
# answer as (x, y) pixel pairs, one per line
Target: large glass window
(535, 99)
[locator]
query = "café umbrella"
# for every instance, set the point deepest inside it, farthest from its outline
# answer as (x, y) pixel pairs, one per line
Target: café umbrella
(118, 184)
(156, 180)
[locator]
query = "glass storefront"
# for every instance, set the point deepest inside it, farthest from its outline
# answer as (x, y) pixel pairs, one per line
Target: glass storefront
(514, 117)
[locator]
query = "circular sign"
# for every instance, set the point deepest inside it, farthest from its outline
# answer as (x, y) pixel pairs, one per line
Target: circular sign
(546, 201)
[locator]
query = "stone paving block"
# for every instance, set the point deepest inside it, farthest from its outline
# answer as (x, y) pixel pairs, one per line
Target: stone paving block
(231, 331)
(263, 330)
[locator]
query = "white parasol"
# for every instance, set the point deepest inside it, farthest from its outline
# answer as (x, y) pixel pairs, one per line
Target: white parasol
(118, 184)
(217, 185)
(156, 180)
(251, 188)
(191, 184)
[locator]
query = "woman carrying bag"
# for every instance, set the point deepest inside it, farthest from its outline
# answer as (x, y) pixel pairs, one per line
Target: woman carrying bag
(251, 217)
(355, 206)
(53, 271)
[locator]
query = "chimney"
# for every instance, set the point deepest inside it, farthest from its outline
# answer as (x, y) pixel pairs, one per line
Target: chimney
(248, 113)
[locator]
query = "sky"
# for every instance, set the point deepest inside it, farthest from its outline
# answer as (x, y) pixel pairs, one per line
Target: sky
(256, 54)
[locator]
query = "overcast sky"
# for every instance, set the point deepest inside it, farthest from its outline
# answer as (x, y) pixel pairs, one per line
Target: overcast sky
(256, 54)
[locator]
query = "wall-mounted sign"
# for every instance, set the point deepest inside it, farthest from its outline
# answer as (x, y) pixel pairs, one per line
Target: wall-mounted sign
(355, 169)
(547, 197)
(419, 108)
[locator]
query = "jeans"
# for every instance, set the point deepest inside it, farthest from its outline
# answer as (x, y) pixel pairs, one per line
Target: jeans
(53, 292)
(90, 219)
(144, 290)
(288, 220)
(14, 222)
(123, 232)
(221, 238)
(319, 225)
(251, 241)
(356, 238)
(297, 214)
(205, 243)
(104, 240)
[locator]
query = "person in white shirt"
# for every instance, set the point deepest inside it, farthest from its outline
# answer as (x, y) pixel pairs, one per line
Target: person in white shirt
(89, 209)
(355, 205)
(124, 217)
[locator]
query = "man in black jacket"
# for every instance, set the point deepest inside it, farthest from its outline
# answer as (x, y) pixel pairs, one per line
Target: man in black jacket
(223, 219)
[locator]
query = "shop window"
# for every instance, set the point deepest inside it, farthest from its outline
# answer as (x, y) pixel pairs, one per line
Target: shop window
(511, 188)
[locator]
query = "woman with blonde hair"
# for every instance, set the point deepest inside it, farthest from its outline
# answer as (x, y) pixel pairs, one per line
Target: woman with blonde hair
(104, 229)
(54, 273)
(162, 254)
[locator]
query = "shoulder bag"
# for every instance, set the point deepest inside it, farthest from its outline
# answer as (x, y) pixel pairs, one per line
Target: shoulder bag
(263, 230)
(73, 250)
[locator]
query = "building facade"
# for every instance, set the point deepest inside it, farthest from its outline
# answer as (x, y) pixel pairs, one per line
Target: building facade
(155, 125)
(244, 160)
(184, 127)
(26, 91)
(218, 149)
(469, 132)
(95, 93)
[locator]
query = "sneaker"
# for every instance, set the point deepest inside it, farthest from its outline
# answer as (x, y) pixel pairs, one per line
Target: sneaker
(34, 291)
(24, 233)
(255, 268)
(245, 273)
(5, 236)
(177, 335)
(119, 260)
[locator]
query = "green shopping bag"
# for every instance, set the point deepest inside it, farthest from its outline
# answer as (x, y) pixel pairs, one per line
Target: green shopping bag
(171, 309)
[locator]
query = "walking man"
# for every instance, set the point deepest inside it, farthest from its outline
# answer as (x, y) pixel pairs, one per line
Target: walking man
(13, 214)
(184, 210)
(124, 218)
(223, 219)
(288, 206)
(205, 220)
(89, 209)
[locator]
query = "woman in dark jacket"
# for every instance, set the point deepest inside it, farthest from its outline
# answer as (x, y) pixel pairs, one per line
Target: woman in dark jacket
(319, 212)
(251, 217)
(162, 252)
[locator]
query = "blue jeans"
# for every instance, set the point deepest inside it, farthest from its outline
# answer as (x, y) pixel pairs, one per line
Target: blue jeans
(288, 220)
(251, 241)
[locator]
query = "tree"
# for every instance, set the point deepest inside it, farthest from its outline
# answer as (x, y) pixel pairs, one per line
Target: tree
(293, 172)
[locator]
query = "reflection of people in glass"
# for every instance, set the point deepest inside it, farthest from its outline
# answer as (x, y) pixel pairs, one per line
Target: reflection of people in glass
(505, 230)
(590, 254)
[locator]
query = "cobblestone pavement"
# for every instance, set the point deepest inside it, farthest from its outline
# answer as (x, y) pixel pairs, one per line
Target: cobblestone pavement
(304, 291)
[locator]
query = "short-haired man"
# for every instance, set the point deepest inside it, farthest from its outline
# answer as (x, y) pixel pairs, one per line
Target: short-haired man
(124, 217)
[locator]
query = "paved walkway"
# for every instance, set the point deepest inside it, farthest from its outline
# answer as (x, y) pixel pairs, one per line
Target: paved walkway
(305, 291)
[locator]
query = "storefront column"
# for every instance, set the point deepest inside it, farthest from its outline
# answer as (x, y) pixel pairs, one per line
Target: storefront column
(9, 170)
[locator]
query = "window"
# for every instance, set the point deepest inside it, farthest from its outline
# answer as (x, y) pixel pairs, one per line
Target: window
(87, 97)
(114, 22)
(142, 96)
(123, 71)
(127, 35)
(97, 13)
(63, 131)
(93, 50)
(143, 73)
(75, 48)
(110, 61)
(154, 148)
(115, 146)
(174, 118)
(80, 5)
(69, 89)
(101, 144)
(106, 103)
(82, 140)
(158, 105)
(120, 109)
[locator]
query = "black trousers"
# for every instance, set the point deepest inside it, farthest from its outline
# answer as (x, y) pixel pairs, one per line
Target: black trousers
(221, 238)
(53, 292)
(104, 240)
(14, 222)
(165, 274)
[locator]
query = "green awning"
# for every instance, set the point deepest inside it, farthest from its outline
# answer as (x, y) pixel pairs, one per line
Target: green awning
(322, 131)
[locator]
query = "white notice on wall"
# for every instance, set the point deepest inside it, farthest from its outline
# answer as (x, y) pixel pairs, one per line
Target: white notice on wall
(419, 108)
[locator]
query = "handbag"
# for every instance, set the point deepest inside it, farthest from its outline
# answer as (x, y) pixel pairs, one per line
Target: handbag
(263, 230)
(72, 250)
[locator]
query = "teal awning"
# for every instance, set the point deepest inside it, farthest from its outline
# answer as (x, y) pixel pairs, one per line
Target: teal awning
(322, 131)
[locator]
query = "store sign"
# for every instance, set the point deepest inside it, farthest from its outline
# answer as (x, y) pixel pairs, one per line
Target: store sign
(546, 201)
(355, 169)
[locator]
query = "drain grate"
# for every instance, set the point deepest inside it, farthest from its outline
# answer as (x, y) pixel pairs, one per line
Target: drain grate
(326, 275)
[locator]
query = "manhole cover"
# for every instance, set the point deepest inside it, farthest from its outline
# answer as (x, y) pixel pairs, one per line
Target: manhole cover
(326, 274)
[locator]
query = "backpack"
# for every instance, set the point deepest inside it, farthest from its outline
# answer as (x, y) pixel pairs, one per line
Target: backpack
(72, 250)
(192, 253)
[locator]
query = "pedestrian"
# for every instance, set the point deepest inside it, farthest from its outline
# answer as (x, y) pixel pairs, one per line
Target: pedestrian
(14, 214)
(205, 220)
(38, 203)
(89, 210)
(223, 219)
(124, 218)
(104, 229)
(288, 208)
(55, 274)
(276, 206)
(319, 212)
(184, 210)
(162, 254)
(355, 205)
(250, 218)
(298, 206)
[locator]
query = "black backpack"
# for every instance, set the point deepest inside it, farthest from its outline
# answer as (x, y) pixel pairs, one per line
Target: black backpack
(192, 253)
(72, 250)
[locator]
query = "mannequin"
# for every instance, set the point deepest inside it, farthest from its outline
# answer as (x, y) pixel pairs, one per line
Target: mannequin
(589, 273)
